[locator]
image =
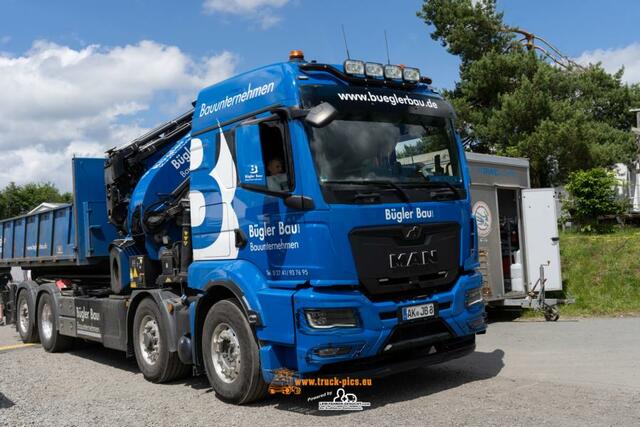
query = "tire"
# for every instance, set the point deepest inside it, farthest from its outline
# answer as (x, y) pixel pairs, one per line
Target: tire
(552, 314)
(50, 338)
(242, 382)
(24, 319)
(155, 361)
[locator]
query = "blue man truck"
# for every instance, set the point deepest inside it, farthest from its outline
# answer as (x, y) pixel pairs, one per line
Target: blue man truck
(301, 216)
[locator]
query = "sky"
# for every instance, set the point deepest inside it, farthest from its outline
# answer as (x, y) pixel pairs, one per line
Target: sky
(80, 76)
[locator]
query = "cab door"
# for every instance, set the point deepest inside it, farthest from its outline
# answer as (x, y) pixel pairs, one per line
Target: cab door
(271, 229)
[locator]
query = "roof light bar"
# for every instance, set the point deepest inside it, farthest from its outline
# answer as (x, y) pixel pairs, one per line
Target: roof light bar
(374, 70)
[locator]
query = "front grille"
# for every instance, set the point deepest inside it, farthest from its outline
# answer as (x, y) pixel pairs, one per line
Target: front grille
(415, 293)
(383, 282)
(395, 262)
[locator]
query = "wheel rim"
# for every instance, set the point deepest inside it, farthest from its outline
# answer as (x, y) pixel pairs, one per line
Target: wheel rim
(225, 352)
(46, 321)
(149, 340)
(23, 314)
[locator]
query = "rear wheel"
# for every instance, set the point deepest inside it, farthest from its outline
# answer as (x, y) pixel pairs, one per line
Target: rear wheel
(50, 338)
(26, 327)
(154, 359)
(231, 354)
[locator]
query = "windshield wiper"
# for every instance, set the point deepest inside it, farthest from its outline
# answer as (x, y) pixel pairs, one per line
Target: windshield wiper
(367, 197)
(438, 184)
(380, 182)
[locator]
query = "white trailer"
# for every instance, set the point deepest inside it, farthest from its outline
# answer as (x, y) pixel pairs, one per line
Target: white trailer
(518, 243)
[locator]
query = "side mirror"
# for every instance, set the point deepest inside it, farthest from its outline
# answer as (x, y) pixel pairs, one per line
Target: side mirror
(321, 115)
(249, 153)
(303, 203)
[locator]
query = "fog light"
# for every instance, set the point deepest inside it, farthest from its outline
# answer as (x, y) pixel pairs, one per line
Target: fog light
(473, 296)
(373, 69)
(411, 74)
(332, 318)
(331, 351)
(352, 66)
(393, 72)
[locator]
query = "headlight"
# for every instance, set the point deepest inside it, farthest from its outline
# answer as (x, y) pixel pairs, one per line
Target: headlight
(352, 66)
(473, 297)
(411, 74)
(393, 72)
(331, 318)
(373, 69)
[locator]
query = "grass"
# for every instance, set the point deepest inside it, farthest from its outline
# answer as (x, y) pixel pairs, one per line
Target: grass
(602, 273)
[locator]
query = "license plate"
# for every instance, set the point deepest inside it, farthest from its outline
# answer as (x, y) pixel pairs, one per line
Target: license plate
(418, 311)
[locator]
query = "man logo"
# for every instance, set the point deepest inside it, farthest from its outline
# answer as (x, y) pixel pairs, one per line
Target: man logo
(411, 259)
(412, 233)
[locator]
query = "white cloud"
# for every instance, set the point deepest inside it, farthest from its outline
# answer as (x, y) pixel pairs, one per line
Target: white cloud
(268, 20)
(614, 59)
(257, 10)
(241, 6)
(37, 163)
(57, 101)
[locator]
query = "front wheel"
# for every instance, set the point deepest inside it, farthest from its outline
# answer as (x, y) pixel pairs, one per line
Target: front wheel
(231, 354)
(26, 326)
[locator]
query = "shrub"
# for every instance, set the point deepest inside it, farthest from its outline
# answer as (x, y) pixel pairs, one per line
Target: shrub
(592, 195)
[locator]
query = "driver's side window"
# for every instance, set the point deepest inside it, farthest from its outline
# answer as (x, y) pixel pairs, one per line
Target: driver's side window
(262, 156)
(274, 156)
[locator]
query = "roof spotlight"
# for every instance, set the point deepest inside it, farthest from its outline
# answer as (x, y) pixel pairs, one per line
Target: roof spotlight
(352, 66)
(373, 69)
(393, 72)
(411, 74)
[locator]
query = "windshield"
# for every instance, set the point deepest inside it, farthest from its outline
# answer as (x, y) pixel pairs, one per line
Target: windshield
(399, 153)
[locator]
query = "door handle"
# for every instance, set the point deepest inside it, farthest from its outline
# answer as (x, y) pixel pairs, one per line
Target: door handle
(241, 238)
(555, 239)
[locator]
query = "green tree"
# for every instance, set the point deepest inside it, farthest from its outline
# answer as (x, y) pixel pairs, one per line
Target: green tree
(511, 102)
(466, 29)
(20, 199)
(592, 194)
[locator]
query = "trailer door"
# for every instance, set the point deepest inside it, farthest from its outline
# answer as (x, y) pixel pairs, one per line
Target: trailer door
(540, 225)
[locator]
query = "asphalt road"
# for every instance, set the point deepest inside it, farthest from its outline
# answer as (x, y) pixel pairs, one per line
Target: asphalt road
(568, 373)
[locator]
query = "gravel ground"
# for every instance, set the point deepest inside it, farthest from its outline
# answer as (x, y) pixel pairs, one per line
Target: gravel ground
(568, 373)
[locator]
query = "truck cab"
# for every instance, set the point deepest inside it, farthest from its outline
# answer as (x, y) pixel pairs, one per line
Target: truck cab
(336, 200)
